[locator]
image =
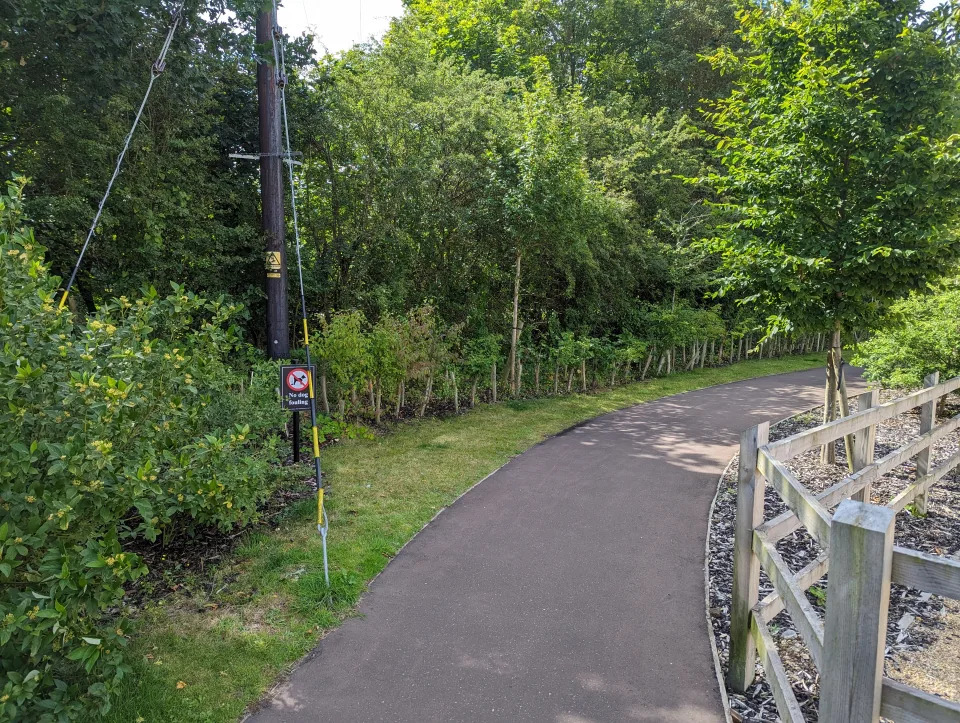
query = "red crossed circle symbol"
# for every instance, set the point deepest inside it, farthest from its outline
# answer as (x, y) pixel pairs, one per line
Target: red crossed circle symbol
(297, 380)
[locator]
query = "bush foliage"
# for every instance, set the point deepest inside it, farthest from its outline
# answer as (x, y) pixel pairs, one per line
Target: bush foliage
(922, 336)
(131, 423)
(416, 360)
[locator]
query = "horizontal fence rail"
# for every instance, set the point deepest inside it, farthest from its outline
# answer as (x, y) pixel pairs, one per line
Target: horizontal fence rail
(847, 646)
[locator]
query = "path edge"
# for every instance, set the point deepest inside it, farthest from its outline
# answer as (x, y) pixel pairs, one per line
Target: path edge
(255, 706)
(718, 668)
(270, 694)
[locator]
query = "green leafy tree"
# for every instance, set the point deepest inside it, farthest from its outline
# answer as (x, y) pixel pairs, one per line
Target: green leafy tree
(343, 348)
(645, 49)
(126, 426)
(480, 354)
(840, 166)
(386, 354)
(72, 75)
(840, 160)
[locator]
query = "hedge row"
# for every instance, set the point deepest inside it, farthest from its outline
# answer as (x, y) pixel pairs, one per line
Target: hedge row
(403, 364)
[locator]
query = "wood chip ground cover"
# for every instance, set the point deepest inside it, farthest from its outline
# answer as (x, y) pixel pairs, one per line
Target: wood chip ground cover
(923, 632)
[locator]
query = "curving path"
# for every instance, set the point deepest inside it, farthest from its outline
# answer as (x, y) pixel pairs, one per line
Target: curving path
(568, 587)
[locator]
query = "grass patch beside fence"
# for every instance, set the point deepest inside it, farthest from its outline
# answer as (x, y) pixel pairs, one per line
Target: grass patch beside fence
(207, 656)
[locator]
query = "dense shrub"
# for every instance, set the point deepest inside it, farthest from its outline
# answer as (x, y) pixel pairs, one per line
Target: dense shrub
(415, 360)
(922, 336)
(130, 424)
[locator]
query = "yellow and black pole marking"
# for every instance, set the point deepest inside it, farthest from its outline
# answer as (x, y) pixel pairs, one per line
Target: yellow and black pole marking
(323, 522)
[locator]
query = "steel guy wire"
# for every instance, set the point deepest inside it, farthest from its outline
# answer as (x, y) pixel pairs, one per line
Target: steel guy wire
(156, 69)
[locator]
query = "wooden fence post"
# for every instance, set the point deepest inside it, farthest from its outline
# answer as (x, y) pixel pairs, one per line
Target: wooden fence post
(746, 566)
(858, 598)
(865, 441)
(928, 419)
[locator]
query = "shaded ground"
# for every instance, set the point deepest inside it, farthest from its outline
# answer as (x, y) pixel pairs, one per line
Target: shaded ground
(567, 587)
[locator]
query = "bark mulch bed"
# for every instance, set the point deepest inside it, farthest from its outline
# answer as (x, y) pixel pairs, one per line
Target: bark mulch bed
(917, 620)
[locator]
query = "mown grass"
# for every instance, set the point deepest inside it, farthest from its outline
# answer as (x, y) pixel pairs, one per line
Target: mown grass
(206, 657)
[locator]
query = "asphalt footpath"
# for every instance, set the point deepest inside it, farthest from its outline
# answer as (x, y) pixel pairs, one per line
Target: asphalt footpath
(566, 587)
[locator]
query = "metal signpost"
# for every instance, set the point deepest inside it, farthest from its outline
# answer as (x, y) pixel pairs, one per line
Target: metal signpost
(295, 395)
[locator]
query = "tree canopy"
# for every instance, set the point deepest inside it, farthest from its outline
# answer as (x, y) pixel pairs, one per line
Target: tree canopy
(839, 159)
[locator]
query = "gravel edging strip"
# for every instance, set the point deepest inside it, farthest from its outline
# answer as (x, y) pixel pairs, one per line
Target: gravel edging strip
(717, 665)
(916, 619)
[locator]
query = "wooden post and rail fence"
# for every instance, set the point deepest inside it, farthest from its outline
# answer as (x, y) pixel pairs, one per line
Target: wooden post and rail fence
(848, 645)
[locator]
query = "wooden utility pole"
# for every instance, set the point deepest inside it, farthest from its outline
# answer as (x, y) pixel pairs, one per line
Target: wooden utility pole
(271, 190)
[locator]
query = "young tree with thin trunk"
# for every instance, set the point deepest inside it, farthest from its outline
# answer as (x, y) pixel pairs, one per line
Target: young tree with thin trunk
(840, 168)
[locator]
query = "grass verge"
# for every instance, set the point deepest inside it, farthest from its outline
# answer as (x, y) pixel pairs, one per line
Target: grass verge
(206, 657)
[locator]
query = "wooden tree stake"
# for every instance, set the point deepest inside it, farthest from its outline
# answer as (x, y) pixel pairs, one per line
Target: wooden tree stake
(928, 418)
(865, 442)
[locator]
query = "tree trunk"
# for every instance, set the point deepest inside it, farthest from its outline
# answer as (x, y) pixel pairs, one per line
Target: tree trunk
(583, 375)
(556, 379)
(828, 453)
(323, 393)
(426, 394)
(514, 331)
(493, 383)
(663, 360)
(570, 381)
(373, 401)
(536, 379)
(473, 394)
(646, 365)
(456, 392)
(377, 407)
(399, 398)
(519, 378)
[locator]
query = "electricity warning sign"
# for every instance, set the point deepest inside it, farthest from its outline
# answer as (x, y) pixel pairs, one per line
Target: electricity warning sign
(274, 264)
(295, 386)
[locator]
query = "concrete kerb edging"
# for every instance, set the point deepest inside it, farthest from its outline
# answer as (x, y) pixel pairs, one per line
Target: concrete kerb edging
(718, 668)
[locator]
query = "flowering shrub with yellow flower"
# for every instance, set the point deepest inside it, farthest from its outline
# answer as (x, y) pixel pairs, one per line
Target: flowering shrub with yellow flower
(144, 419)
